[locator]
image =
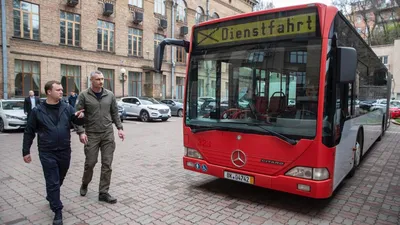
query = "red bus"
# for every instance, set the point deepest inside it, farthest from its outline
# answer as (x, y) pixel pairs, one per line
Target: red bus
(284, 99)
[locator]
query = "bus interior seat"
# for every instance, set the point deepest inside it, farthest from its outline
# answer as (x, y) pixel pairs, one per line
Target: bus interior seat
(277, 104)
(261, 104)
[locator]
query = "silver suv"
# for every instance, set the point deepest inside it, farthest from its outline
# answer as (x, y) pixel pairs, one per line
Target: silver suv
(145, 108)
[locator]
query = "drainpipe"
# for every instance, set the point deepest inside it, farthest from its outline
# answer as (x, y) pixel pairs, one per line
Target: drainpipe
(207, 9)
(172, 48)
(4, 48)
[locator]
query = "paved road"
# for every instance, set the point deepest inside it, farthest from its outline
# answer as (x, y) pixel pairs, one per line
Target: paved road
(152, 188)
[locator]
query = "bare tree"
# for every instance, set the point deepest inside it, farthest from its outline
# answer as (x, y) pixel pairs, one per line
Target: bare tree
(377, 21)
(264, 4)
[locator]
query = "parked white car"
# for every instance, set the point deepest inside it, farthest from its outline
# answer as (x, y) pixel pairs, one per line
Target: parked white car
(12, 116)
(145, 108)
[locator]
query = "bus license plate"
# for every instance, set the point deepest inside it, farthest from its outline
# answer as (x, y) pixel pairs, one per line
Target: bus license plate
(239, 177)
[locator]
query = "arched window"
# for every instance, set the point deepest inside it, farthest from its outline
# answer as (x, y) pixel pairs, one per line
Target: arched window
(200, 16)
(181, 11)
(215, 15)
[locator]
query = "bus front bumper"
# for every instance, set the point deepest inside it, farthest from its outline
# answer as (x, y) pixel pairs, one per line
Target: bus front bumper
(298, 186)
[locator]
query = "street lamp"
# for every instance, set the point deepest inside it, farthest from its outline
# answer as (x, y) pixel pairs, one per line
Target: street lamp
(123, 71)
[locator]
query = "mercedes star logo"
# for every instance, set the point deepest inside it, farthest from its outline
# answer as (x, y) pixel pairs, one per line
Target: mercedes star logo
(238, 158)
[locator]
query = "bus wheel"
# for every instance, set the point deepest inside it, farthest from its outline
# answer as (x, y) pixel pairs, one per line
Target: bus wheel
(357, 153)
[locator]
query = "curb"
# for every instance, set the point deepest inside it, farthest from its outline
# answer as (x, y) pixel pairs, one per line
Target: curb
(394, 121)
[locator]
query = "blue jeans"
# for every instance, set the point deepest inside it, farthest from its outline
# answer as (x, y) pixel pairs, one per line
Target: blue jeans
(55, 167)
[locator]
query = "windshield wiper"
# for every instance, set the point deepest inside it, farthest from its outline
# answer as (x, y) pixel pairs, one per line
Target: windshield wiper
(274, 133)
(197, 129)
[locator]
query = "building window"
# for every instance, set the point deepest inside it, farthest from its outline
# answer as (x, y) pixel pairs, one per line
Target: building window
(27, 77)
(180, 55)
(201, 87)
(157, 39)
(26, 20)
(213, 88)
(135, 84)
(227, 90)
(71, 78)
(215, 15)
(181, 11)
(70, 28)
(164, 86)
(159, 6)
(108, 78)
(298, 57)
(138, 3)
(384, 59)
(179, 87)
(135, 37)
(200, 16)
(105, 36)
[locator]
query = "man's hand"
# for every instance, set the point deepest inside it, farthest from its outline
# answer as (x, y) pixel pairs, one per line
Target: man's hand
(121, 134)
(27, 158)
(83, 138)
(80, 113)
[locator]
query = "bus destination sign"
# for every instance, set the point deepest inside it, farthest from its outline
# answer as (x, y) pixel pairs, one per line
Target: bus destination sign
(263, 29)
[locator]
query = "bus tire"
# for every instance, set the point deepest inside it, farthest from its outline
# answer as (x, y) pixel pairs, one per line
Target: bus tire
(382, 130)
(358, 152)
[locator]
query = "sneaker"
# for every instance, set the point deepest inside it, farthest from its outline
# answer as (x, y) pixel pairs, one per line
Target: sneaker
(83, 190)
(58, 218)
(107, 198)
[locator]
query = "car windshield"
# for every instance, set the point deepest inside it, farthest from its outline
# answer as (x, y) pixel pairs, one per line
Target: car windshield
(273, 85)
(13, 105)
(148, 101)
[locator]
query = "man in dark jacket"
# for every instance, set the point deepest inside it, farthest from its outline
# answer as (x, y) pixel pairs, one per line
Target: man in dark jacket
(52, 122)
(72, 98)
(30, 102)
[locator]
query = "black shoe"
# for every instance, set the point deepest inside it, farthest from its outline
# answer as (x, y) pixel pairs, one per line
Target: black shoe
(83, 190)
(107, 198)
(58, 218)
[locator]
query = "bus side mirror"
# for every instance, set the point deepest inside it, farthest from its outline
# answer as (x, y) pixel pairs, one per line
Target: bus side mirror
(347, 64)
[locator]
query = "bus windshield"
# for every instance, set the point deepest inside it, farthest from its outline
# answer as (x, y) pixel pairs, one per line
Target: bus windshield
(271, 86)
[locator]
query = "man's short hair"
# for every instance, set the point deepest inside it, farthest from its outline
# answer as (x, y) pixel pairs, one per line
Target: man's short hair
(49, 85)
(94, 73)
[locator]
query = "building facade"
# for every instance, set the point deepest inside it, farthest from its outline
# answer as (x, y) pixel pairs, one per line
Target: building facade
(67, 39)
(376, 21)
(390, 56)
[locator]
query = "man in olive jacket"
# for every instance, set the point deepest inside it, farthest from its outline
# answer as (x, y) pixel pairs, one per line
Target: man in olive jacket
(101, 111)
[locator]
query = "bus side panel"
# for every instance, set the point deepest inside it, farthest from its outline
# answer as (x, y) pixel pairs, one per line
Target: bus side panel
(344, 151)
(344, 155)
(372, 123)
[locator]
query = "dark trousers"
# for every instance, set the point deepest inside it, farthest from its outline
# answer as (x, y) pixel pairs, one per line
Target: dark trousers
(104, 142)
(55, 167)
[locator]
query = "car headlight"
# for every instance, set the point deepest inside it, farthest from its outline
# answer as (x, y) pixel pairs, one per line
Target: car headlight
(13, 117)
(192, 153)
(309, 173)
(151, 108)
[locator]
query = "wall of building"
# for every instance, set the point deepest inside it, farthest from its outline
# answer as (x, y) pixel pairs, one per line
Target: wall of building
(51, 54)
(393, 54)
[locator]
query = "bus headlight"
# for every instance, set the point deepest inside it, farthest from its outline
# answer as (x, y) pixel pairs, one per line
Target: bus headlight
(320, 174)
(301, 172)
(192, 153)
(309, 173)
